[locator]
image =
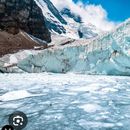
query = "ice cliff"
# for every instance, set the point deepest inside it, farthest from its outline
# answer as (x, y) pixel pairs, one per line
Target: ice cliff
(107, 54)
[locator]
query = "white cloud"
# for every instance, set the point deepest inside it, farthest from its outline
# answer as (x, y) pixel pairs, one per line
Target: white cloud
(93, 14)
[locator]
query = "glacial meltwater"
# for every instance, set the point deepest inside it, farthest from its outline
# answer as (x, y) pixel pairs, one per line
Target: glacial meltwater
(66, 101)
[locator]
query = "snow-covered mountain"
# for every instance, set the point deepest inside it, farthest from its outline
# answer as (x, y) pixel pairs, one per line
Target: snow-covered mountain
(54, 20)
(66, 22)
(76, 27)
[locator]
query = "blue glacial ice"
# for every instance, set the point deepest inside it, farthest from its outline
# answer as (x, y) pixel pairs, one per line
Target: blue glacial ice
(107, 54)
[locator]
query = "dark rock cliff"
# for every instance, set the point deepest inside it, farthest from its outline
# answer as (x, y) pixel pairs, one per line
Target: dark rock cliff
(16, 15)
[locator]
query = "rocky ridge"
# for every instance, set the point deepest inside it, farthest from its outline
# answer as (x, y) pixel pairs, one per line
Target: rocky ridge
(16, 15)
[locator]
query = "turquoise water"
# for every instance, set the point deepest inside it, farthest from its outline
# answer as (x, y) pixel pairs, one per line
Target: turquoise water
(66, 101)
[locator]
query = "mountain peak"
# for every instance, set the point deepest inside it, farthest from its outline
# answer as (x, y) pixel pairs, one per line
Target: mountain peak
(65, 22)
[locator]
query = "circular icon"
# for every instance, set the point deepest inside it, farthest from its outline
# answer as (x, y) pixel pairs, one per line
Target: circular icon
(7, 127)
(18, 120)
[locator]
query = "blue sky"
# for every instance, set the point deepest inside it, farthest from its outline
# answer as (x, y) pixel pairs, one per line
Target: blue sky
(118, 10)
(105, 15)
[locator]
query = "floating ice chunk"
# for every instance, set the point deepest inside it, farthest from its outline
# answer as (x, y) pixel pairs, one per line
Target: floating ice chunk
(15, 95)
(90, 108)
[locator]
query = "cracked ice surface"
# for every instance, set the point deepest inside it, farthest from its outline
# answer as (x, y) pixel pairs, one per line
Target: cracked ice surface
(67, 101)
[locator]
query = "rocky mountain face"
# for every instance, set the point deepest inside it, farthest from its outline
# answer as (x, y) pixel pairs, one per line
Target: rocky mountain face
(54, 20)
(16, 15)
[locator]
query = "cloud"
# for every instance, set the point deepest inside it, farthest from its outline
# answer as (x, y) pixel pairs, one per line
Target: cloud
(90, 14)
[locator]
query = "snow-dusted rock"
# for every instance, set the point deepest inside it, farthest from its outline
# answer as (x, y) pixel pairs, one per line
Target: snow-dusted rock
(54, 21)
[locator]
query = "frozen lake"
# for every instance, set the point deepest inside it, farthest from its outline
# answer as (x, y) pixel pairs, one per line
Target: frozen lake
(66, 101)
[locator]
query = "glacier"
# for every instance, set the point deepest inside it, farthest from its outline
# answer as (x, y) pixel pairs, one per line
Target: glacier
(107, 54)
